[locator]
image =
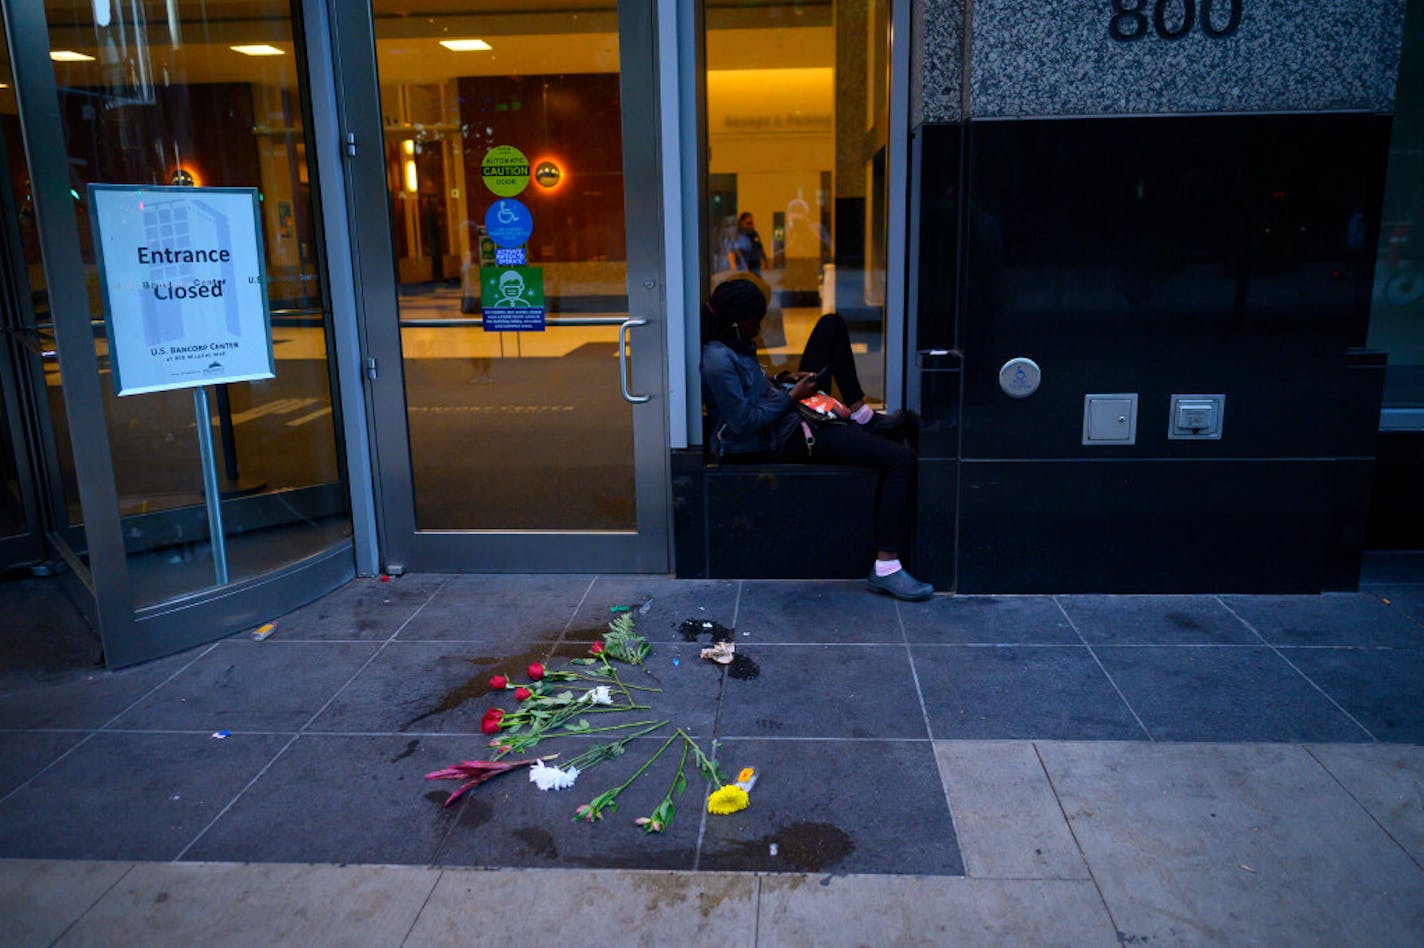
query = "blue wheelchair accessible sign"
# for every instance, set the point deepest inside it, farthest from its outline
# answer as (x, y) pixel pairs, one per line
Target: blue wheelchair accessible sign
(509, 223)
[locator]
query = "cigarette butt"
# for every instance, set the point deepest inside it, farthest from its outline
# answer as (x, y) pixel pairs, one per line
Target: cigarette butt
(264, 630)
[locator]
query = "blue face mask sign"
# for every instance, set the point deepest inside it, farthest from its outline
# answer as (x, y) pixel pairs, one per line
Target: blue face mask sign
(509, 223)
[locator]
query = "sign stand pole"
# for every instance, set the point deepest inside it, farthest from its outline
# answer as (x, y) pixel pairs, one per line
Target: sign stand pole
(210, 483)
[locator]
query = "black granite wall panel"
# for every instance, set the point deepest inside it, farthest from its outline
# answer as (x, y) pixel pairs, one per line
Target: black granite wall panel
(1176, 254)
(1395, 519)
(1191, 255)
(1144, 526)
(790, 521)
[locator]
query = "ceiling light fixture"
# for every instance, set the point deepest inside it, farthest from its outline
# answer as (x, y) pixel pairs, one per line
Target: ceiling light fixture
(259, 49)
(466, 45)
(69, 56)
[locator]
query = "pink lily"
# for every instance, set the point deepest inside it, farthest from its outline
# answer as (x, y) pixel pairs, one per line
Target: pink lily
(476, 772)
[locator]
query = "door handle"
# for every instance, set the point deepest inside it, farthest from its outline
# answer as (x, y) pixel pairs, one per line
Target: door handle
(623, 360)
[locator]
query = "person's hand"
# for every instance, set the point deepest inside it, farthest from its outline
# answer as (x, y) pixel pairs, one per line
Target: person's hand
(805, 386)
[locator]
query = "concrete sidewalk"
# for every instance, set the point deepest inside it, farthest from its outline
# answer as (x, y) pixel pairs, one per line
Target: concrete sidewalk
(973, 770)
(1063, 843)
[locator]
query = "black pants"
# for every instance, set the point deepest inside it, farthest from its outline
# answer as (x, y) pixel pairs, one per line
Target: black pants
(829, 345)
(854, 444)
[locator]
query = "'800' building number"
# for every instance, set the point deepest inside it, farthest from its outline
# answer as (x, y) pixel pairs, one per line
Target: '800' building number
(1173, 19)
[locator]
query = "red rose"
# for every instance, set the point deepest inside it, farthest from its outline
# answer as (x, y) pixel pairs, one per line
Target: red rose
(536, 672)
(596, 648)
(523, 694)
(490, 722)
(499, 682)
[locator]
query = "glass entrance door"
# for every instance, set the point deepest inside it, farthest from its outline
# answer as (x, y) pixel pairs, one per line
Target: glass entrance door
(507, 214)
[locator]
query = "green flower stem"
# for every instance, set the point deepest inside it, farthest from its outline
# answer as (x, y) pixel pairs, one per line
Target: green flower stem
(664, 811)
(704, 764)
(646, 764)
(603, 657)
(611, 727)
(596, 754)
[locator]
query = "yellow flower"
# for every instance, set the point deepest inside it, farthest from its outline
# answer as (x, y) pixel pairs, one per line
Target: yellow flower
(728, 799)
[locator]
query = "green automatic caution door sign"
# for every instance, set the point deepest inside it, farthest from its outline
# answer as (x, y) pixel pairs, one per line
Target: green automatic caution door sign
(505, 170)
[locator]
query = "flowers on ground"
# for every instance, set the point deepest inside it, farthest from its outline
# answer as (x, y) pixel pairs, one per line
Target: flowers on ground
(728, 799)
(476, 772)
(552, 778)
(597, 688)
(621, 642)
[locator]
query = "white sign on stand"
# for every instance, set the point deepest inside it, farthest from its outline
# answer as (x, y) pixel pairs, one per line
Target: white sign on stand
(184, 283)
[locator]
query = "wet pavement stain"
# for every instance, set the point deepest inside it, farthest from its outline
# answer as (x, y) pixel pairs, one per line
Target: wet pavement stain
(743, 668)
(1183, 621)
(438, 796)
(691, 629)
(476, 813)
(539, 841)
(409, 749)
(513, 666)
(468, 690)
(586, 635)
(801, 847)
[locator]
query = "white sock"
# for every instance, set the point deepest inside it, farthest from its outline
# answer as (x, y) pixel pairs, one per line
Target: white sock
(862, 415)
(886, 567)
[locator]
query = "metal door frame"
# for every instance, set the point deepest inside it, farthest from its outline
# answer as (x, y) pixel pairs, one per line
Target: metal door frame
(404, 546)
(129, 634)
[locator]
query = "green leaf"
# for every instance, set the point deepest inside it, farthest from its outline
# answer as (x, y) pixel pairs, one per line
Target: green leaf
(582, 661)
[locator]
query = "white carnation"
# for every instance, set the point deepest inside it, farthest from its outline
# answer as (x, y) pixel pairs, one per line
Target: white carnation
(552, 778)
(599, 695)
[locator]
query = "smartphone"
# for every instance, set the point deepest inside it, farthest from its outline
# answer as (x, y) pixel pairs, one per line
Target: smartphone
(821, 375)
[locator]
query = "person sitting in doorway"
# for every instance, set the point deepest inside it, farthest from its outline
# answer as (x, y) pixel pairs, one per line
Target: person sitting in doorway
(754, 418)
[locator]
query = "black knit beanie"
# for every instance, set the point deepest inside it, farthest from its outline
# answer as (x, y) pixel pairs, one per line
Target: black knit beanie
(736, 301)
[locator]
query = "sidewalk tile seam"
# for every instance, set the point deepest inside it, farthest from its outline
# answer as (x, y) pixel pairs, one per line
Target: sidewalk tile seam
(438, 875)
(97, 899)
(716, 736)
(201, 653)
(1102, 668)
(756, 915)
(578, 606)
(233, 802)
(1082, 853)
(1311, 681)
(929, 729)
(295, 737)
(844, 740)
(46, 768)
(1358, 802)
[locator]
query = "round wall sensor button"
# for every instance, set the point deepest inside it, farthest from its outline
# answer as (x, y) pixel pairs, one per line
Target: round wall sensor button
(1019, 377)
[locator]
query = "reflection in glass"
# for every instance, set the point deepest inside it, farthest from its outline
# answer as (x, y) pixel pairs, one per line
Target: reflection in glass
(208, 94)
(509, 430)
(32, 328)
(1397, 312)
(797, 123)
